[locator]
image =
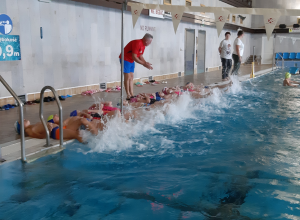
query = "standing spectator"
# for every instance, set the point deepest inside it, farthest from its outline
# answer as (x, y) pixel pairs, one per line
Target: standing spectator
(225, 52)
(238, 51)
(133, 52)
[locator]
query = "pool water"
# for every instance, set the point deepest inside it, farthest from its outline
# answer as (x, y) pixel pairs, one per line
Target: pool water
(234, 155)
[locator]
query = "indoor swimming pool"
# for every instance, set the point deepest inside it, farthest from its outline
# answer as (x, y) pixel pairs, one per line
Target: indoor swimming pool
(234, 155)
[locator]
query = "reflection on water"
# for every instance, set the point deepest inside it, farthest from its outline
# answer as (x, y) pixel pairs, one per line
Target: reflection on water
(234, 155)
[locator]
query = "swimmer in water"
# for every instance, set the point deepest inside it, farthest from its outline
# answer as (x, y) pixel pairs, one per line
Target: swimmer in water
(38, 131)
(288, 82)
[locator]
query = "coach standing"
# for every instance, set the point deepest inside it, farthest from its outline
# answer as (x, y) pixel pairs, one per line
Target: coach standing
(225, 52)
(133, 52)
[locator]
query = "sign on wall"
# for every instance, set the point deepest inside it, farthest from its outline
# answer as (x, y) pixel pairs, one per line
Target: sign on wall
(156, 13)
(10, 48)
(294, 30)
(9, 44)
(6, 24)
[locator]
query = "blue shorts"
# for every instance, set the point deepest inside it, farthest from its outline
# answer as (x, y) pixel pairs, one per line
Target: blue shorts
(128, 67)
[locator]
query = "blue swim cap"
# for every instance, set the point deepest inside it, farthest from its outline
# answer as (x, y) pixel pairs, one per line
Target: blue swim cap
(17, 127)
(73, 113)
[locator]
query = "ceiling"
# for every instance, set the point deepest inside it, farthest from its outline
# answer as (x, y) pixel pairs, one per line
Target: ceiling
(239, 3)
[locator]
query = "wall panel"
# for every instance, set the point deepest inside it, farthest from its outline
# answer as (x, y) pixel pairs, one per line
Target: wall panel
(82, 43)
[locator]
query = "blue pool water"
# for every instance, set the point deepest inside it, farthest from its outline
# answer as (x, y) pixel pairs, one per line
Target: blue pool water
(232, 156)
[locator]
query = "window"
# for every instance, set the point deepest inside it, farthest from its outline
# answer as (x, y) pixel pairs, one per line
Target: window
(188, 3)
(203, 13)
(167, 2)
(228, 19)
(233, 18)
(298, 20)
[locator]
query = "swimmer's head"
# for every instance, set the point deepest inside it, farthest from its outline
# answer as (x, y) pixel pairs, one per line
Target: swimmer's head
(165, 90)
(53, 119)
(161, 94)
(287, 75)
(189, 85)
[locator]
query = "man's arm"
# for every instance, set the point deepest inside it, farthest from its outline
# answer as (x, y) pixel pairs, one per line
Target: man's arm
(141, 61)
(142, 58)
(220, 47)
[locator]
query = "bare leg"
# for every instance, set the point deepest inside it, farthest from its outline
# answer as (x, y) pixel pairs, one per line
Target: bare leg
(126, 84)
(70, 134)
(131, 84)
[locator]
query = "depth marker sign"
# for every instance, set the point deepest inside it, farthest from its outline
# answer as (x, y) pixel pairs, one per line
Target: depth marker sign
(9, 44)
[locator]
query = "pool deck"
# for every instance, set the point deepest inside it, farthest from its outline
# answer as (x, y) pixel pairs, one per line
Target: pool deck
(10, 147)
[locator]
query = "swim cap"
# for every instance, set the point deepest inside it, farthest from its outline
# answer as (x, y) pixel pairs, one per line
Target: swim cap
(17, 127)
(287, 75)
(165, 90)
(50, 119)
(73, 113)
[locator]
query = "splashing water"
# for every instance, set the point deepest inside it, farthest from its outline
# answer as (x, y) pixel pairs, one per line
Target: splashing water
(120, 135)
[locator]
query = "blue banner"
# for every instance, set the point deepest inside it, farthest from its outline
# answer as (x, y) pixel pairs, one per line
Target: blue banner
(10, 47)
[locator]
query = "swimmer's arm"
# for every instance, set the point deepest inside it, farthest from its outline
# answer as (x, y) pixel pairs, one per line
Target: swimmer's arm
(290, 84)
(84, 114)
(89, 126)
(294, 82)
(147, 99)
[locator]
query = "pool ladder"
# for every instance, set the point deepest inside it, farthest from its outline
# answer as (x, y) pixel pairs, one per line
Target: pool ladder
(61, 134)
(21, 104)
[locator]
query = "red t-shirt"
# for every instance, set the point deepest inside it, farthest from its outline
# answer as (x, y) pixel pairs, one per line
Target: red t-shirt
(135, 46)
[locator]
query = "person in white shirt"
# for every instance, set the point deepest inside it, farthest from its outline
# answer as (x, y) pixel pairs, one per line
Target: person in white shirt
(225, 52)
(238, 51)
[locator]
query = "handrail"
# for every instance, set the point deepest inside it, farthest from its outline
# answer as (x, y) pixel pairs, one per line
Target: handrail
(281, 57)
(61, 138)
(12, 92)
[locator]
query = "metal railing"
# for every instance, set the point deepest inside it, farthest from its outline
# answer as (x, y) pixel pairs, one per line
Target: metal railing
(22, 133)
(282, 60)
(61, 138)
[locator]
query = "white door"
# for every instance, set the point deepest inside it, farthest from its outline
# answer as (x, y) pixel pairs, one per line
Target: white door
(267, 50)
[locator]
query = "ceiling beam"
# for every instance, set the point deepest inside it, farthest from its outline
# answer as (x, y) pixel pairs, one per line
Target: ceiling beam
(239, 3)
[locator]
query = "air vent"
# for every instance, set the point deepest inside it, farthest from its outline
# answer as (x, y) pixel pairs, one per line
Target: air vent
(150, 78)
(179, 74)
(23, 98)
(103, 86)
